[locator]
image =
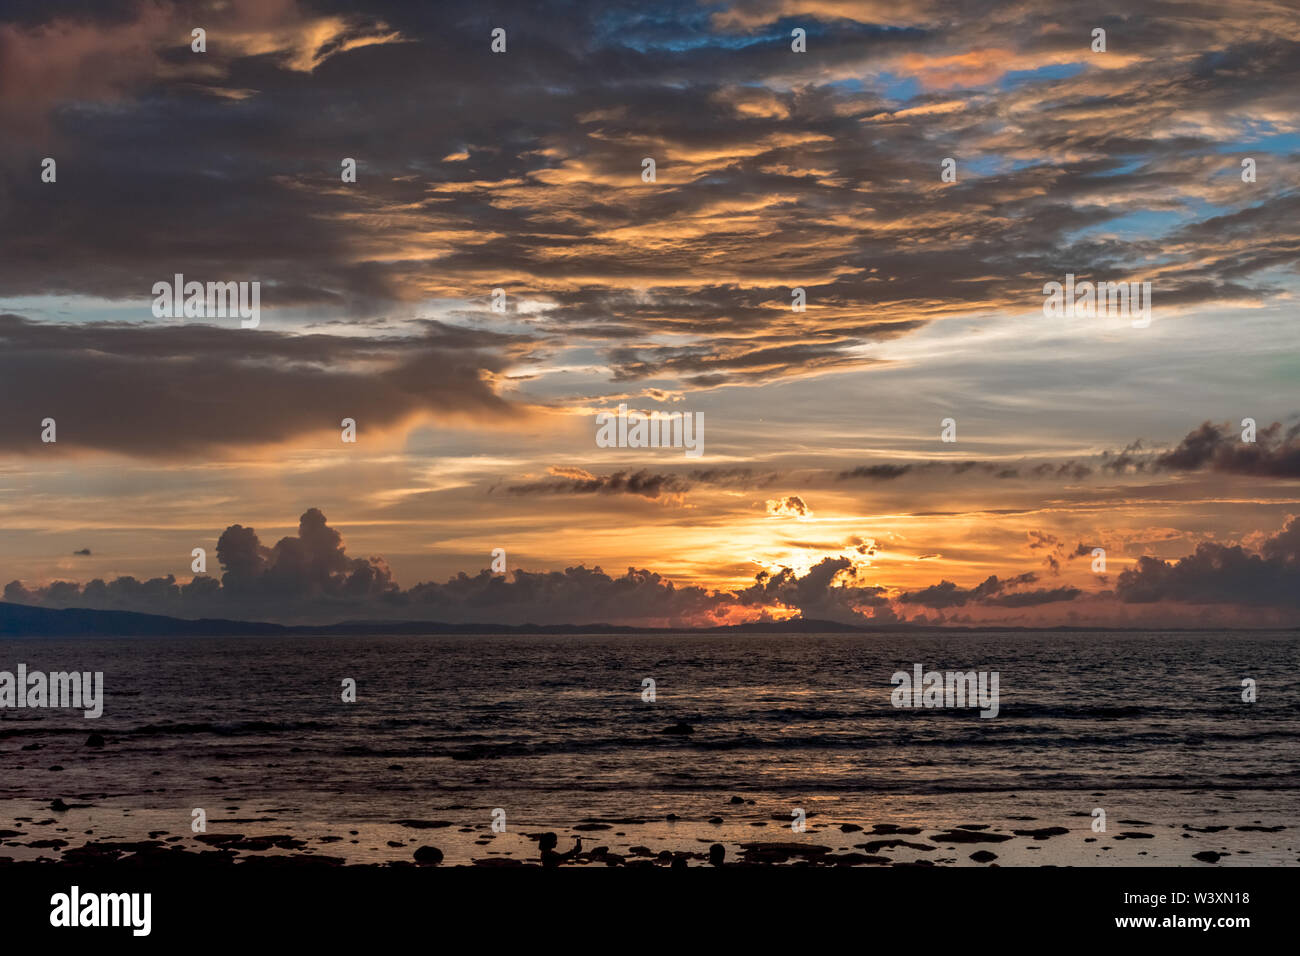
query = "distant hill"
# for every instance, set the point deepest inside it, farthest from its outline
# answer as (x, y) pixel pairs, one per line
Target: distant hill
(22, 620)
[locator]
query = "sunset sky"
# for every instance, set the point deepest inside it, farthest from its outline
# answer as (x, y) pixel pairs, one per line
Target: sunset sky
(824, 490)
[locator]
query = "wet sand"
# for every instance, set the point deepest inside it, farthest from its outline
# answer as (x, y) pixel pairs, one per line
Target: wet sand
(750, 831)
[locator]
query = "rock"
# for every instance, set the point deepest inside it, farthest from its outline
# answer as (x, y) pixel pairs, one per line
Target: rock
(58, 805)
(849, 828)
(678, 729)
(970, 836)
(715, 820)
(593, 826)
(717, 853)
(94, 740)
(1043, 833)
(781, 852)
(983, 856)
(428, 854)
(875, 846)
(423, 824)
(856, 859)
(735, 800)
(1209, 856)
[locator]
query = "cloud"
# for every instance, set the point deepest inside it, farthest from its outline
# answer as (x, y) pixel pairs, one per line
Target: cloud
(792, 506)
(578, 482)
(1221, 574)
(768, 164)
(173, 390)
(992, 591)
(1274, 454)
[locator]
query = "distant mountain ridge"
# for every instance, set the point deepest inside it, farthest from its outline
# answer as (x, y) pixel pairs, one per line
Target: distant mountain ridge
(24, 620)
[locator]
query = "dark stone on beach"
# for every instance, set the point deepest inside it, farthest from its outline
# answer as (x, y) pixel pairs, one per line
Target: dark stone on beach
(94, 740)
(970, 836)
(1260, 829)
(395, 766)
(6, 834)
(678, 729)
(428, 854)
(56, 767)
(671, 817)
(856, 859)
(640, 851)
(396, 843)
(1134, 835)
(717, 853)
(983, 856)
(584, 827)
(32, 746)
(47, 844)
(972, 826)
(875, 846)
(715, 820)
(424, 824)
(849, 828)
(781, 852)
(58, 805)
(217, 839)
(735, 800)
(1209, 856)
(895, 828)
(1043, 833)
(498, 861)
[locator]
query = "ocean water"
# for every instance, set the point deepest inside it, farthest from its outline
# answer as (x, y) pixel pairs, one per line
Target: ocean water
(554, 731)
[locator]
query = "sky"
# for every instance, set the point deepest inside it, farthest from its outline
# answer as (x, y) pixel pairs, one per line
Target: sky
(922, 170)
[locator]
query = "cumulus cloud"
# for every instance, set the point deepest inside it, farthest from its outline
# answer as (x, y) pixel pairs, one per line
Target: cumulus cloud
(791, 506)
(1221, 574)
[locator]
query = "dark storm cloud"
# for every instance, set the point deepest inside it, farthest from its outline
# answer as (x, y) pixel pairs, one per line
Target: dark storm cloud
(643, 483)
(1221, 574)
(171, 389)
(776, 169)
(648, 484)
(1274, 454)
(991, 591)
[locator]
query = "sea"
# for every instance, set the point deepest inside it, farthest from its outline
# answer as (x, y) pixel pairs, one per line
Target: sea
(480, 743)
